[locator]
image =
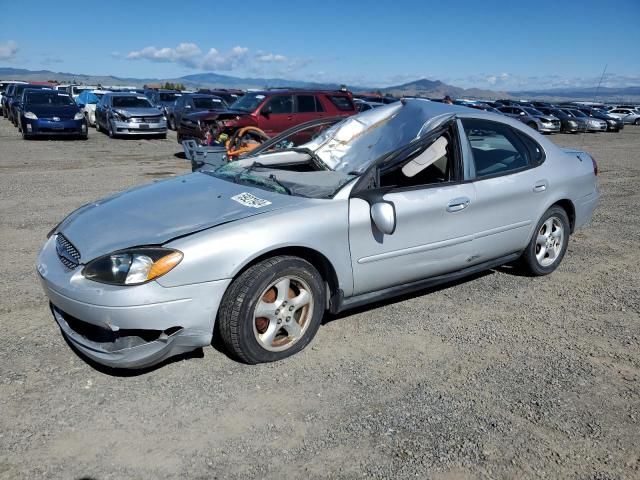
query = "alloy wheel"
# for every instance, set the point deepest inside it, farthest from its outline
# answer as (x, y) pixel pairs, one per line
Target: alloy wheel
(549, 242)
(283, 313)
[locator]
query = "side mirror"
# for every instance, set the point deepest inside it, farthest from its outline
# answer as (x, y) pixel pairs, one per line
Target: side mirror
(383, 215)
(266, 111)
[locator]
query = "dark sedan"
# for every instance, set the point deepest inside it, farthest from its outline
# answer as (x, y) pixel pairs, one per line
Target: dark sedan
(49, 112)
(14, 103)
(568, 123)
(198, 102)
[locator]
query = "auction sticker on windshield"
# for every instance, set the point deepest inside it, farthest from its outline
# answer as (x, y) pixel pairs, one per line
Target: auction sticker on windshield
(249, 200)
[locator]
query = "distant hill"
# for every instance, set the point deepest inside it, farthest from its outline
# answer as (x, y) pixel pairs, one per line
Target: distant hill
(437, 89)
(423, 87)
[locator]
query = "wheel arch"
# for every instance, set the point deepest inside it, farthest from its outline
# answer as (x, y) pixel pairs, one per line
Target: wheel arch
(568, 206)
(314, 257)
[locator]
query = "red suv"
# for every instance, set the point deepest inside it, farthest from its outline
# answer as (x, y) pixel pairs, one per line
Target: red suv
(272, 111)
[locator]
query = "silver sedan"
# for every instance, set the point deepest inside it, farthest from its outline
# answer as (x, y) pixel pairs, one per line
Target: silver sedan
(390, 201)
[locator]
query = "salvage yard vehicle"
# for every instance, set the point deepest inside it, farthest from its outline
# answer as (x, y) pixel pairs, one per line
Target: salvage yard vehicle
(196, 102)
(163, 99)
(533, 118)
(568, 123)
(270, 111)
(4, 86)
(87, 102)
(15, 100)
(51, 113)
(121, 113)
(627, 115)
(387, 202)
(614, 124)
(593, 124)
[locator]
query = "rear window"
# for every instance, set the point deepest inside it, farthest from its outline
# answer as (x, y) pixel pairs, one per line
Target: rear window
(342, 102)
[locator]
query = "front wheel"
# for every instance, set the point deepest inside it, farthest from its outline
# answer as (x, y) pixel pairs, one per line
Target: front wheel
(110, 130)
(272, 310)
(637, 122)
(548, 244)
(171, 123)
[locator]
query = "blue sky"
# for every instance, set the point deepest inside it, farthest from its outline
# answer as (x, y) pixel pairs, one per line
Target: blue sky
(490, 44)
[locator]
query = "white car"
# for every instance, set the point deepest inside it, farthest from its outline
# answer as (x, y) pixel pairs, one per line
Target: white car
(87, 102)
(75, 90)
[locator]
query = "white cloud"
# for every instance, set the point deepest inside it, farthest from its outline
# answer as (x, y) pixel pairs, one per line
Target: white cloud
(270, 57)
(185, 53)
(8, 50)
(190, 55)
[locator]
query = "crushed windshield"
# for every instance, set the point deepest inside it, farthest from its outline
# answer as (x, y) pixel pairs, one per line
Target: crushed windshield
(353, 144)
(249, 102)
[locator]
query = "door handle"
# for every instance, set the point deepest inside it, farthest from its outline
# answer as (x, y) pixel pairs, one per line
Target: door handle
(458, 204)
(540, 187)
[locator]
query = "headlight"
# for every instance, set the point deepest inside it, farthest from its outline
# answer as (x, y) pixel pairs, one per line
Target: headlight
(133, 266)
(573, 123)
(118, 116)
(31, 116)
(78, 116)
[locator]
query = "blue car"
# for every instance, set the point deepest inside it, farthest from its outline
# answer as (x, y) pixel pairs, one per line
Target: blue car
(50, 112)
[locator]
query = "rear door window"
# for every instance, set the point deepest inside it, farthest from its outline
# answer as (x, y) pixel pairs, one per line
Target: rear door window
(306, 103)
(342, 102)
(498, 149)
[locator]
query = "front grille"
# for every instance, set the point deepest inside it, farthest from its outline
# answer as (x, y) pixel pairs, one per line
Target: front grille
(146, 119)
(67, 253)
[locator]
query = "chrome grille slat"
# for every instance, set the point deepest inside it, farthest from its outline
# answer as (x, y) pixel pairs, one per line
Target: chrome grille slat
(67, 253)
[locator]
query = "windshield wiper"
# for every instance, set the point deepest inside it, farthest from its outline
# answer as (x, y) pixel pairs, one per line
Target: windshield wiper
(238, 177)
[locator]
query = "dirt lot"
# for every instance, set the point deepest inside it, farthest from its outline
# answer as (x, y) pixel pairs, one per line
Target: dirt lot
(499, 376)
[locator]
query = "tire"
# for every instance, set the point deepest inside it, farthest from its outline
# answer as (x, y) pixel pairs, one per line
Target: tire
(637, 122)
(253, 339)
(548, 244)
(110, 131)
(171, 123)
(533, 125)
(25, 135)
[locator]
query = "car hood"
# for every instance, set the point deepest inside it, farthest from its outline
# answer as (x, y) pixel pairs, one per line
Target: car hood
(47, 111)
(139, 112)
(155, 213)
(214, 114)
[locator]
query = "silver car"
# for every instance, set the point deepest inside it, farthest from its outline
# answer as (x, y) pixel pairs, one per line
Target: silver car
(386, 202)
(121, 113)
(627, 115)
(533, 118)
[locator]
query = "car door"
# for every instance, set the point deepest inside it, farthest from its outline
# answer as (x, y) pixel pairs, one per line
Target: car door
(276, 115)
(180, 109)
(306, 108)
(432, 233)
(510, 185)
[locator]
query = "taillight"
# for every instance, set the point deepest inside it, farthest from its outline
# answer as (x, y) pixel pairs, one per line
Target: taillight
(595, 166)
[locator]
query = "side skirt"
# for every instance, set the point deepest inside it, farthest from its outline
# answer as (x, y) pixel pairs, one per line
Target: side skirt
(339, 304)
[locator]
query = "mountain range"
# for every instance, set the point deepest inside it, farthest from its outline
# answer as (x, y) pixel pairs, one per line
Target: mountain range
(422, 87)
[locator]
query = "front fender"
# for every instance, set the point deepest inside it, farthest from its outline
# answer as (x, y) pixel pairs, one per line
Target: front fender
(223, 251)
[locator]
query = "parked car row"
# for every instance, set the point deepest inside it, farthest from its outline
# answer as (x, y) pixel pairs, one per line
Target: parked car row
(564, 117)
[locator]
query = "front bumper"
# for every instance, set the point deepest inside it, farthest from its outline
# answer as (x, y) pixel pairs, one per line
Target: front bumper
(134, 128)
(602, 127)
(43, 126)
(128, 327)
(549, 128)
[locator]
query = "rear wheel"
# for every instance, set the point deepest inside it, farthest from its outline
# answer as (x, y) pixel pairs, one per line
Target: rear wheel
(272, 310)
(637, 122)
(548, 244)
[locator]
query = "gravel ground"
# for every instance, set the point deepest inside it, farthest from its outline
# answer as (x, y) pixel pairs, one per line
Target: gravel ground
(499, 376)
